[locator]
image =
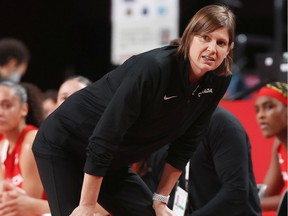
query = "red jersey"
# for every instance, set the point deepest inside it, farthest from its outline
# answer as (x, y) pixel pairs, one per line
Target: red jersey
(282, 159)
(11, 162)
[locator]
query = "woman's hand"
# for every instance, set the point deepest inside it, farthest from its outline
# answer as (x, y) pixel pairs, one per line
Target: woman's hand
(98, 211)
(14, 201)
(89, 195)
(84, 211)
(161, 209)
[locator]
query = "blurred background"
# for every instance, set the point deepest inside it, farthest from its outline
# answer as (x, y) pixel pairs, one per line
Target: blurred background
(74, 38)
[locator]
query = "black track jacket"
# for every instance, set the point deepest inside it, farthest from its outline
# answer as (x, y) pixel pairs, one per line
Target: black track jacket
(142, 105)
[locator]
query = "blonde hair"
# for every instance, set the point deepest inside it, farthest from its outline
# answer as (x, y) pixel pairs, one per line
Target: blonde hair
(209, 19)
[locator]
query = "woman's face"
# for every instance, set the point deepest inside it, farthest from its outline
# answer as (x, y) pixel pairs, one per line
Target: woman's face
(68, 88)
(12, 111)
(207, 51)
(271, 116)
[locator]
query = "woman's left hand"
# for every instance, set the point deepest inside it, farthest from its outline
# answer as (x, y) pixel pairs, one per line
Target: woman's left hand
(161, 209)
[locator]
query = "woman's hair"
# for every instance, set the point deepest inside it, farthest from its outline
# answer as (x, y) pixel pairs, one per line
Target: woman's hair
(209, 19)
(18, 89)
(277, 90)
(81, 79)
(13, 48)
(35, 114)
(33, 96)
(50, 94)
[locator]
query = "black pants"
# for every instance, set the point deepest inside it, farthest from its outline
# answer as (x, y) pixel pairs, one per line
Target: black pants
(122, 193)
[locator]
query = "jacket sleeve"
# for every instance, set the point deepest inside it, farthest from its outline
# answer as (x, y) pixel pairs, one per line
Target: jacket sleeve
(121, 112)
(182, 149)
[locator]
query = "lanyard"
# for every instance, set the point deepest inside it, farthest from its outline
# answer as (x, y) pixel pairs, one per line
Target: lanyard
(187, 168)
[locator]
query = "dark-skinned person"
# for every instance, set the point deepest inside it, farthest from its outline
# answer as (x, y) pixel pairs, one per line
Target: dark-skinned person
(271, 115)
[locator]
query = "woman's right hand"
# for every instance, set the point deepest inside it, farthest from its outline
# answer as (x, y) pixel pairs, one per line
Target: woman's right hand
(84, 211)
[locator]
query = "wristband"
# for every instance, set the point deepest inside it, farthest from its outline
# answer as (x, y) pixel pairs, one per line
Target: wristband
(161, 198)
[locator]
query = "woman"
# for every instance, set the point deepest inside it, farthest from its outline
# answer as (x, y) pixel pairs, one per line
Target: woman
(14, 59)
(271, 115)
(49, 103)
(219, 179)
(22, 192)
(70, 86)
(161, 96)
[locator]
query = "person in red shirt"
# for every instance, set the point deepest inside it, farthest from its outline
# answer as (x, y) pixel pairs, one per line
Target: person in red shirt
(271, 115)
(23, 192)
